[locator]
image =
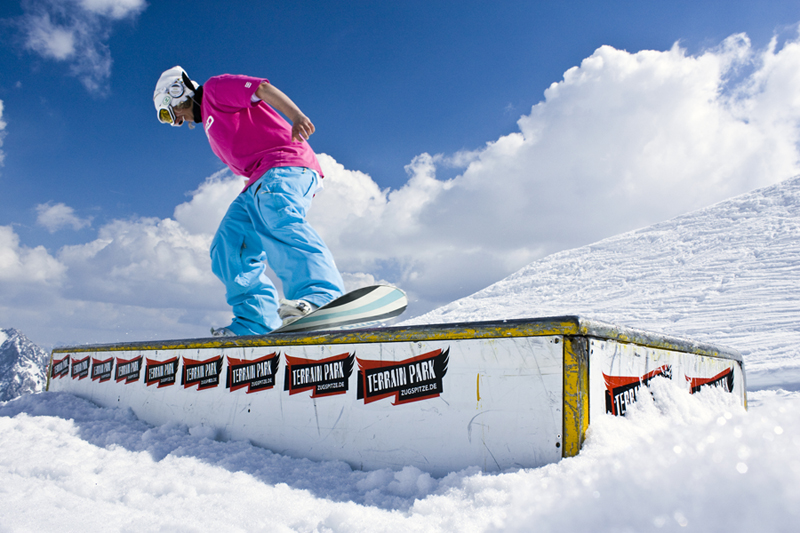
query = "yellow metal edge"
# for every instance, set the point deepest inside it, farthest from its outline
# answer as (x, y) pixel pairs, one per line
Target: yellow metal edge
(626, 335)
(49, 373)
(744, 385)
(575, 395)
(560, 326)
(532, 327)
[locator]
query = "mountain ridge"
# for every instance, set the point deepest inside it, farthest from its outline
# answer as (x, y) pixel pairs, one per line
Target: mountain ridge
(23, 365)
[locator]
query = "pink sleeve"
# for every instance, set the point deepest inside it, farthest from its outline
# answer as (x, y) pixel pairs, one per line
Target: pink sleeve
(233, 91)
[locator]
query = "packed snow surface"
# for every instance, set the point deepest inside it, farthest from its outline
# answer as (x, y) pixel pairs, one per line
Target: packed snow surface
(729, 274)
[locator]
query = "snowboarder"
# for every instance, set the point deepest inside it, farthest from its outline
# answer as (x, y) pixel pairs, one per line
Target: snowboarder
(266, 222)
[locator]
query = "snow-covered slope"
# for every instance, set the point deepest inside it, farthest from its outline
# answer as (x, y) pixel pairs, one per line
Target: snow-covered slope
(22, 365)
(728, 274)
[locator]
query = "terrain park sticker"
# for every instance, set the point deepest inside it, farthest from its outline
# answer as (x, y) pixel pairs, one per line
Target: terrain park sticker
(723, 380)
(204, 374)
(60, 367)
(324, 377)
(101, 370)
(128, 370)
(80, 368)
(256, 375)
(622, 391)
(162, 372)
(410, 380)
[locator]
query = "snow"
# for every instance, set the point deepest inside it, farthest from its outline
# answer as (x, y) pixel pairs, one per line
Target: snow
(728, 274)
(673, 460)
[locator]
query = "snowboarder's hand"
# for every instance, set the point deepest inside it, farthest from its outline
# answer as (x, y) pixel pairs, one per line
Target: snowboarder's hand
(302, 128)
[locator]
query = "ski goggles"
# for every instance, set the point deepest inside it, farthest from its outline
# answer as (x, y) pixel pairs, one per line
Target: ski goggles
(174, 95)
(166, 115)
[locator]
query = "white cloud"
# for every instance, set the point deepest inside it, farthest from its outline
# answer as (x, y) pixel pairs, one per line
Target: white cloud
(49, 40)
(20, 265)
(148, 262)
(139, 279)
(623, 141)
(58, 216)
(203, 213)
(76, 31)
(357, 280)
(116, 9)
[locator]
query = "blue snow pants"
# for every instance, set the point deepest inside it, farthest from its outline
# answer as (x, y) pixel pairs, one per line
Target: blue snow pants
(267, 223)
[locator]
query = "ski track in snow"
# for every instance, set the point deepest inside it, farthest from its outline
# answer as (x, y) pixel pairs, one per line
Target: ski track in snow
(728, 274)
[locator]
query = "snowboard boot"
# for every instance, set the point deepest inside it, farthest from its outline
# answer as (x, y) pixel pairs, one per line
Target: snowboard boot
(222, 332)
(291, 310)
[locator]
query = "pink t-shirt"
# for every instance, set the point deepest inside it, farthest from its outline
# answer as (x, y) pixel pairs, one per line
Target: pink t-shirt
(250, 138)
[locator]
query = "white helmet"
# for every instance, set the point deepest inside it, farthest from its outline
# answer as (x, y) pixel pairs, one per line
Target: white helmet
(173, 87)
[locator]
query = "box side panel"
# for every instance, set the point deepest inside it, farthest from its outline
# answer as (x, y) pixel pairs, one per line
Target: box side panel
(438, 405)
(618, 371)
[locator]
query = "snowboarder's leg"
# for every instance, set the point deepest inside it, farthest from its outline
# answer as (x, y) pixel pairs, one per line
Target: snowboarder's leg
(295, 251)
(237, 259)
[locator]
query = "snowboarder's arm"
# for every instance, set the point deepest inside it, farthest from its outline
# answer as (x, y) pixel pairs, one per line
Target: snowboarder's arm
(302, 128)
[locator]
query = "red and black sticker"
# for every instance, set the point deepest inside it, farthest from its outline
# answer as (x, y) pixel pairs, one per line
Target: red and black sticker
(128, 370)
(723, 380)
(622, 391)
(101, 370)
(204, 374)
(60, 367)
(411, 380)
(324, 377)
(80, 368)
(162, 372)
(256, 375)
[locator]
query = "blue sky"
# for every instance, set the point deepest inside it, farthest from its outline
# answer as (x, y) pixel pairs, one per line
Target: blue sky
(384, 83)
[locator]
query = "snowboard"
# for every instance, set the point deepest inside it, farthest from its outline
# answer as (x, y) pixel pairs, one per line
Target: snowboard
(362, 307)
